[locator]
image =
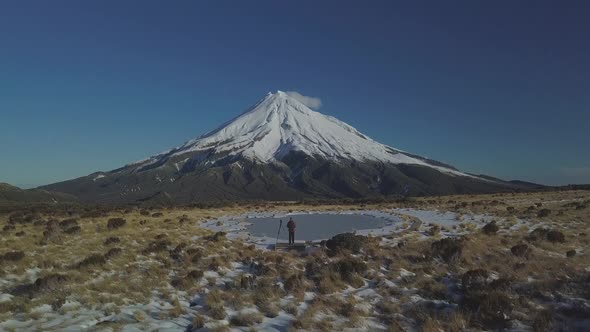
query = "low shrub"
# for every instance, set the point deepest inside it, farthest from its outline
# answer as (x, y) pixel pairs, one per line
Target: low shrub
(157, 246)
(111, 240)
(490, 228)
(474, 279)
(520, 250)
(67, 223)
(50, 282)
(115, 223)
(94, 259)
(113, 252)
(543, 213)
(73, 230)
(555, 236)
(347, 241)
(12, 256)
(448, 249)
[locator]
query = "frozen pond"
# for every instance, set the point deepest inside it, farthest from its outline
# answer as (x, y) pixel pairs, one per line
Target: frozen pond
(315, 226)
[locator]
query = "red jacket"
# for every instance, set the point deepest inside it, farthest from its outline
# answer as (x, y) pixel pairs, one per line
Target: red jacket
(291, 225)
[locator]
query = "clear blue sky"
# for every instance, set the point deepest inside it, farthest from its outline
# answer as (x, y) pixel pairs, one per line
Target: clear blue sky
(494, 87)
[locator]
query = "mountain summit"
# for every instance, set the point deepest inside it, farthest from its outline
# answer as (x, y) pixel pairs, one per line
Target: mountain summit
(277, 149)
(278, 125)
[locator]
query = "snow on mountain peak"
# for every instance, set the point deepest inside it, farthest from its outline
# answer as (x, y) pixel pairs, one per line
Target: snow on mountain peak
(279, 124)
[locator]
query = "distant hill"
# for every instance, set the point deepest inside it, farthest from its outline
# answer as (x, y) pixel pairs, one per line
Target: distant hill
(10, 194)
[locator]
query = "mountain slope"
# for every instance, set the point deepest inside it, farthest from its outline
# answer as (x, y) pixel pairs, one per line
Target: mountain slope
(279, 150)
(10, 194)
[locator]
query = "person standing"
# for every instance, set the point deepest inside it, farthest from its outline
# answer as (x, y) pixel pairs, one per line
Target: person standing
(291, 225)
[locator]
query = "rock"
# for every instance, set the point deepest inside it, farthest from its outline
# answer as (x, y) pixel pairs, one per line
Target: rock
(571, 253)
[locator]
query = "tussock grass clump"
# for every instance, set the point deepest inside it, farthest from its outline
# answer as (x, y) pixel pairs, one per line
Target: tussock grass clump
(246, 319)
(217, 312)
(296, 283)
(214, 298)
(139, 315)
(291, 309)
(492, 309)
(270, 310)
(449, 249)
(432, 289)
(198, 322)
(217, 262)
(330, 282)
(350, 270)
(189, 280)
(177, 309)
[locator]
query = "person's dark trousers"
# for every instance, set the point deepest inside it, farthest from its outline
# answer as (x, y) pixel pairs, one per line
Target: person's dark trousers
(291, 237)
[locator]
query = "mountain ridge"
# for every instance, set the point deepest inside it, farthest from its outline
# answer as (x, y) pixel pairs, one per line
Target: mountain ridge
(278, 148)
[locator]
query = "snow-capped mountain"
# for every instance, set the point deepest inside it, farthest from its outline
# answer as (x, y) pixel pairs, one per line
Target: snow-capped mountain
(278, 149)
(280, 124)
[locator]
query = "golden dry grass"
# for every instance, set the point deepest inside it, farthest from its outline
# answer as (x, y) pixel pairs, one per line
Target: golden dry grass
(157, 250)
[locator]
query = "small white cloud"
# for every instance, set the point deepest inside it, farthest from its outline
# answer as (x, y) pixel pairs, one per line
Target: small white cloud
(311, 102)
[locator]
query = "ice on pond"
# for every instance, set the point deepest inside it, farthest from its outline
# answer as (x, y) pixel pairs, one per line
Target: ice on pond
(316, 226)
